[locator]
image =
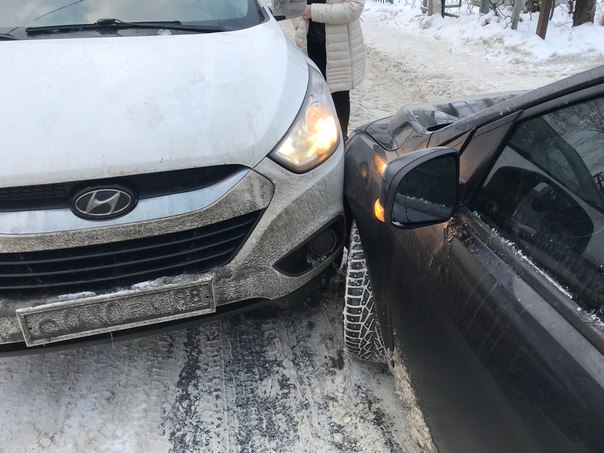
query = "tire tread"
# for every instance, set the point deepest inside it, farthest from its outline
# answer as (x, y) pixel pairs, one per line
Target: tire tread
(362, 334)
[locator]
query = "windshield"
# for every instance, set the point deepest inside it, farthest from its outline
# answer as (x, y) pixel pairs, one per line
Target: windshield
(228, 14)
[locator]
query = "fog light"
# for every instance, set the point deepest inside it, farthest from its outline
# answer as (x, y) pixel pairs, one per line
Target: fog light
(323, 243)
(314, 251)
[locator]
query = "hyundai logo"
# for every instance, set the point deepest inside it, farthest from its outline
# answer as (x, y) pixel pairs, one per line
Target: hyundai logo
(103, 203)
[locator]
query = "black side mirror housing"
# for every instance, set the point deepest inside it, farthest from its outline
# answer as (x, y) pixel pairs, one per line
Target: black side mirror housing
(421, 188)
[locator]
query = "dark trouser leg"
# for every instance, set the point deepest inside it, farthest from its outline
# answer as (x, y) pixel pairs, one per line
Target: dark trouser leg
(341, 99)
(318, 54)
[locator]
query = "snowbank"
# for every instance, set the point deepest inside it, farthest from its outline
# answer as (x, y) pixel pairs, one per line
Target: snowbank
(492, 35)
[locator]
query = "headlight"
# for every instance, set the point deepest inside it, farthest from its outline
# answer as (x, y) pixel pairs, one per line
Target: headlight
(315, 134)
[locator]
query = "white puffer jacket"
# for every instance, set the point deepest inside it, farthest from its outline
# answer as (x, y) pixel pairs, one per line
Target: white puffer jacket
(343, 40)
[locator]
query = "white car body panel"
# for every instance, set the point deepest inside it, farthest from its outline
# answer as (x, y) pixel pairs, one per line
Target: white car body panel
(125, 105)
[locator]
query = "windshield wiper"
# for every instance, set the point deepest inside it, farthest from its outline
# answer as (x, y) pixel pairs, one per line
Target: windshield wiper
(5, 36)
(117, 24)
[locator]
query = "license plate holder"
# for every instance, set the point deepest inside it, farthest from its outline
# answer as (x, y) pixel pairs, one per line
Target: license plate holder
(94, 315)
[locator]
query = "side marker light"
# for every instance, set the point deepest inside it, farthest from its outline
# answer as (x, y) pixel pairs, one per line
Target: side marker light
(378, 210)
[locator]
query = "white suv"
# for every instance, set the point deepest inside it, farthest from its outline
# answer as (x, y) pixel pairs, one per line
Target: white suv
(160, 161)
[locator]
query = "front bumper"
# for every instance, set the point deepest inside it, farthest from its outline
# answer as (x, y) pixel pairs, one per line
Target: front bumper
(293, 207)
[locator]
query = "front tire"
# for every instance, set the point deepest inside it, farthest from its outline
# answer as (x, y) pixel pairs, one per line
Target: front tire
(362, 333)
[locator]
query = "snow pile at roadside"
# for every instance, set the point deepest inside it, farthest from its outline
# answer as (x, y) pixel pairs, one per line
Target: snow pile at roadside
(493, 36)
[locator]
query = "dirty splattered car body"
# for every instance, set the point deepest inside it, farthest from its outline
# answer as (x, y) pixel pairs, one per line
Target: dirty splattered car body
(161, 162)
(483, 231)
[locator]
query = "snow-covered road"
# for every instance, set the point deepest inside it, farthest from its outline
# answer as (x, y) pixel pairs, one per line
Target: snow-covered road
(249, 384)
(244, 384)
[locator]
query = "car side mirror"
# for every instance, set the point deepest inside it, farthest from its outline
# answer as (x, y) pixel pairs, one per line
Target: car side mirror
(286, 9)
(421, 188)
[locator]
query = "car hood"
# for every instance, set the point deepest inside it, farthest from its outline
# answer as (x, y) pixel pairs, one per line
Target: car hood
(87, 108)
(413, 124)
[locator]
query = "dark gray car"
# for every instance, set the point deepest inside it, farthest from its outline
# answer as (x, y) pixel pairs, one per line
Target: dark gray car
(482, 221)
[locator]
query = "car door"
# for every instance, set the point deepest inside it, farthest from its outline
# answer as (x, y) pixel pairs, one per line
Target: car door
(497, 312)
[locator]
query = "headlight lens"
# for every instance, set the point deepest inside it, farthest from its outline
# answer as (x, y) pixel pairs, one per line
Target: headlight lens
(315, 134)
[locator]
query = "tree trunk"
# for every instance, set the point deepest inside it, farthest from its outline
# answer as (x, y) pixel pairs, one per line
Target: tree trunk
(585, 11)
(546, 7)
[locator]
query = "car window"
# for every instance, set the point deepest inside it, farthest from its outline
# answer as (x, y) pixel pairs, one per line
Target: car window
(36, 13)
(545, 193)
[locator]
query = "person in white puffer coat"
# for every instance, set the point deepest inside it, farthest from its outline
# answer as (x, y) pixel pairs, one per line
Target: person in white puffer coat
(329, 31)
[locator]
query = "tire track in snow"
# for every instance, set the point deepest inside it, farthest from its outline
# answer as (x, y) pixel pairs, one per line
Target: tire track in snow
(268, 403)
(197, 419)
(251, 384)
